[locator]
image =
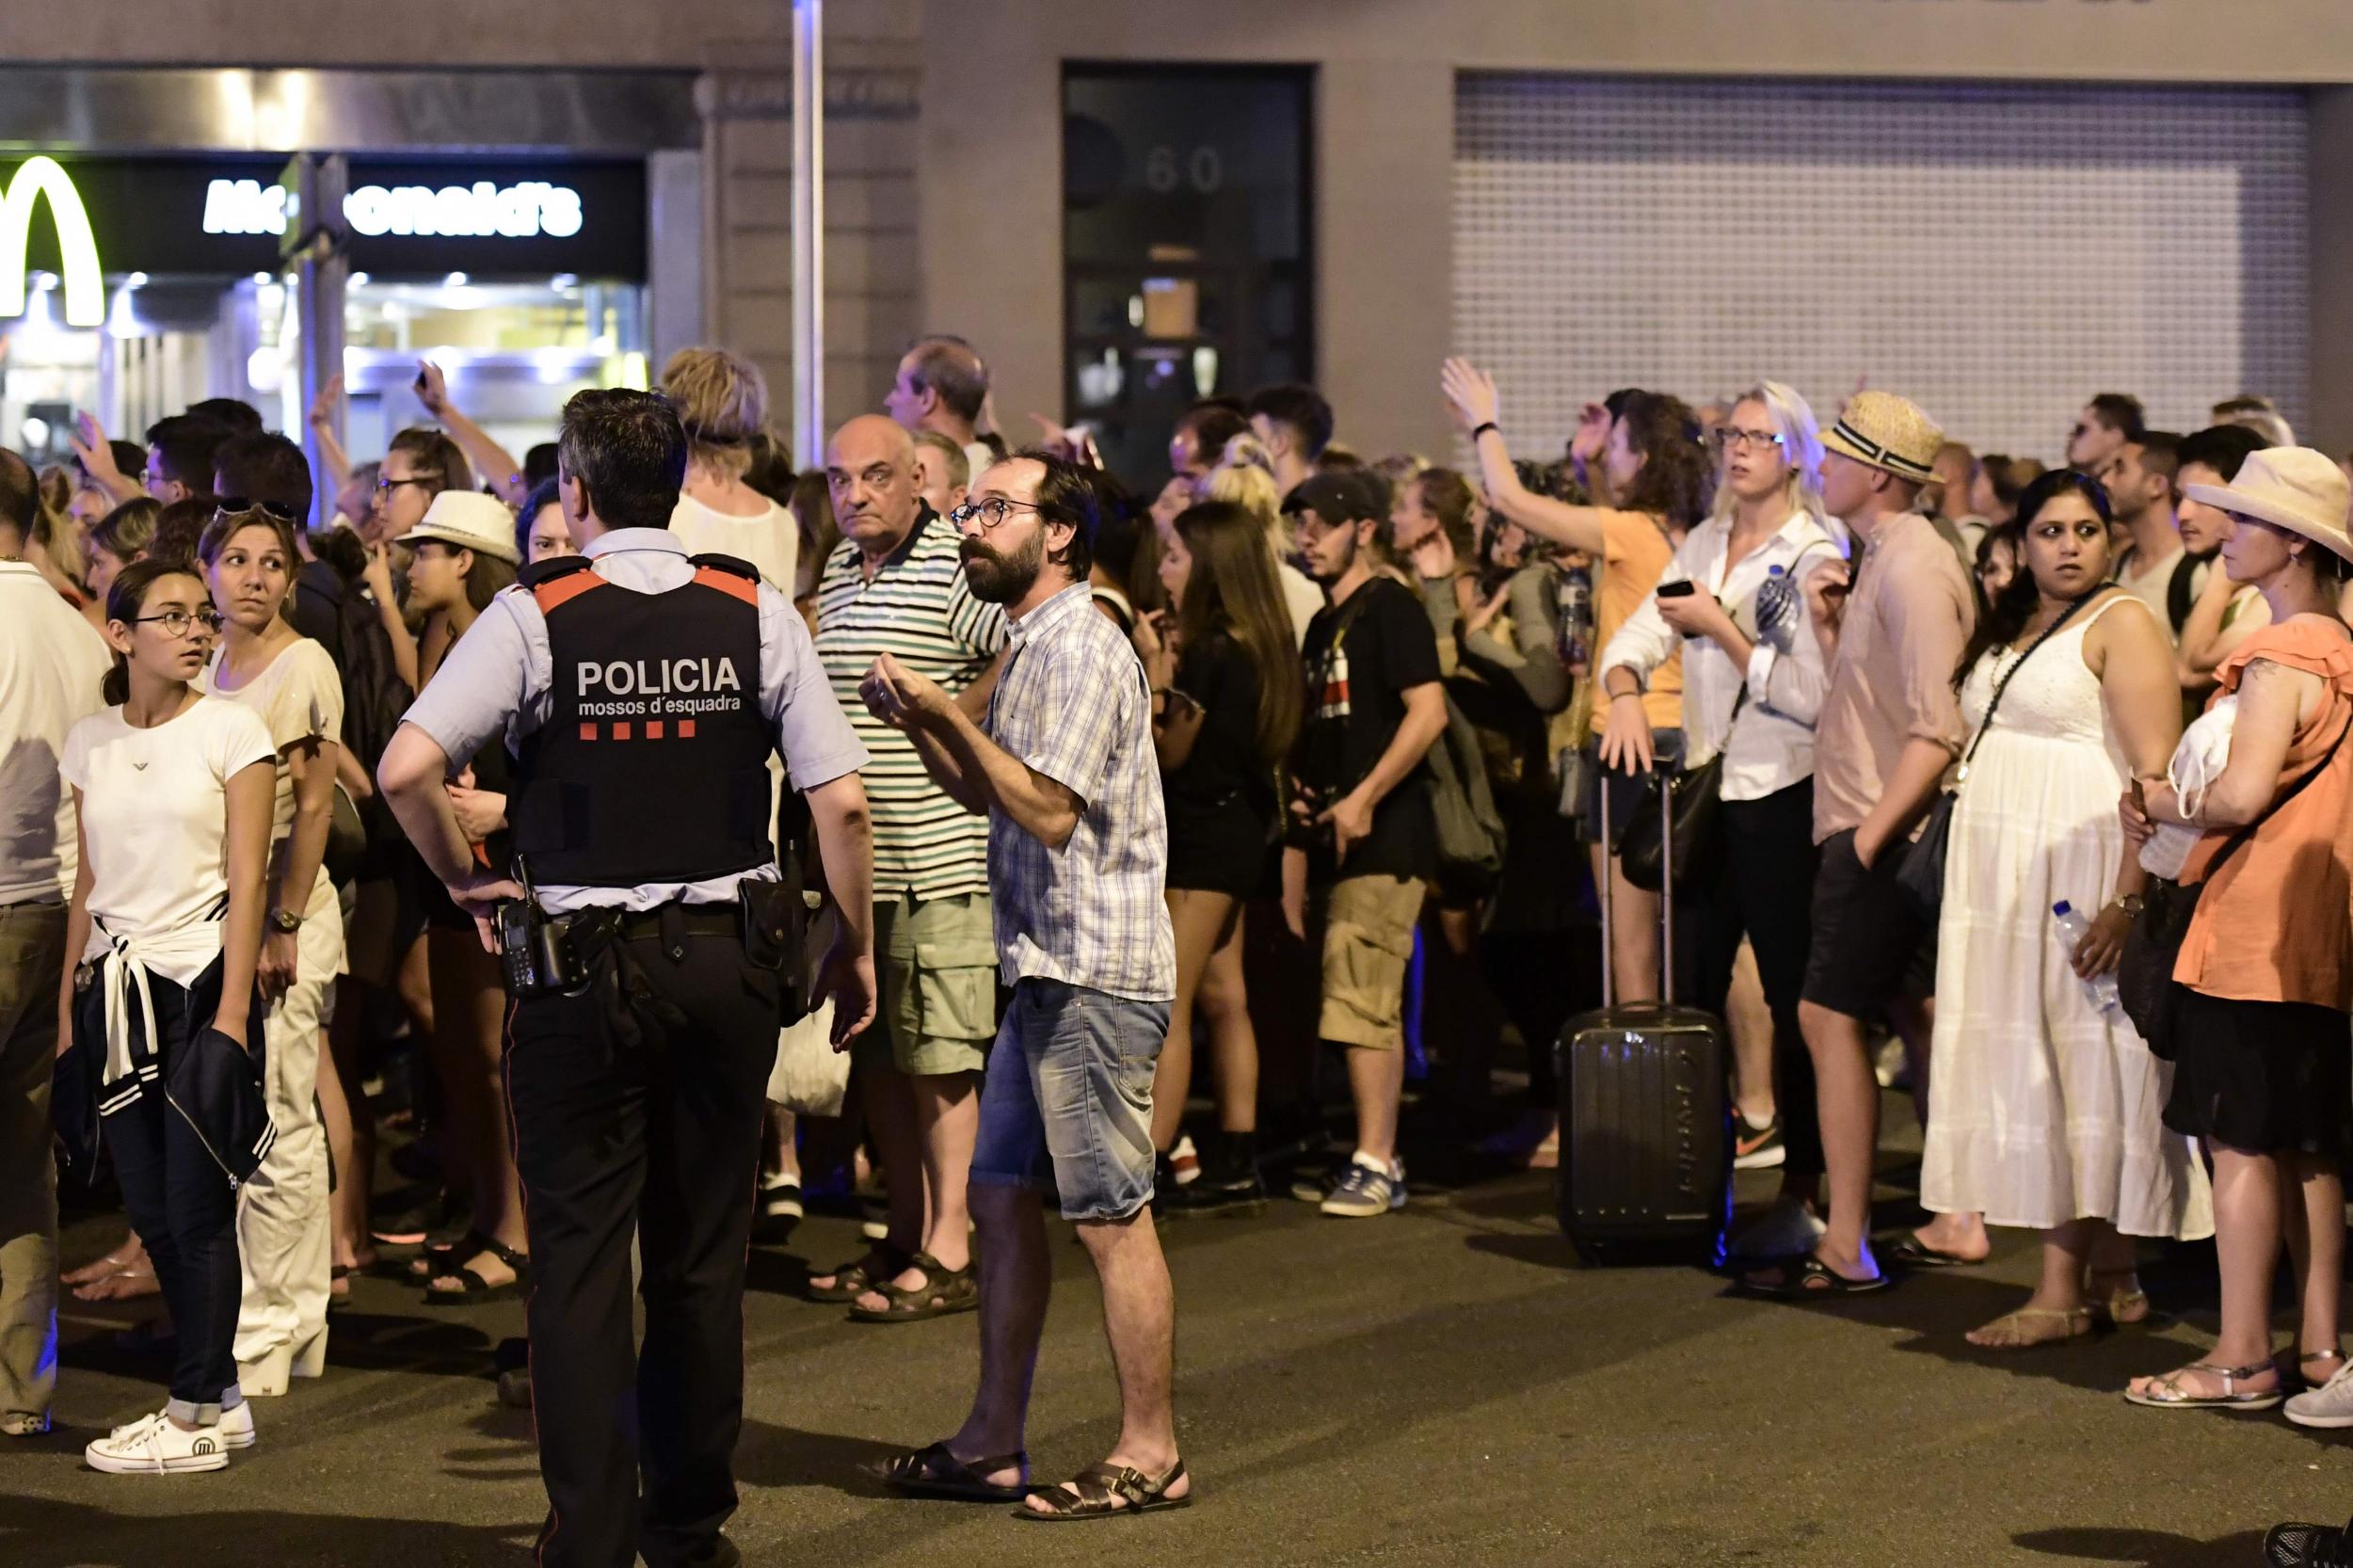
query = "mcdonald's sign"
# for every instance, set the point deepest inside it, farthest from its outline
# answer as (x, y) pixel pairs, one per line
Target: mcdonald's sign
(85, 286)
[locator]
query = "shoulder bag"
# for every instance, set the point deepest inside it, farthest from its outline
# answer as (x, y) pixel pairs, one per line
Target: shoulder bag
(1693, 800)
(2144, 971)
(1921, 876)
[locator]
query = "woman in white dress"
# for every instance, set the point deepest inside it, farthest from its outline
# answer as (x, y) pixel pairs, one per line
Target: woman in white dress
(2046, 1109)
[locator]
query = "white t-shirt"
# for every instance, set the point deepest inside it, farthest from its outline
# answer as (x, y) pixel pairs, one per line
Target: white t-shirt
(51, 664)
(298, 694)
(769, 540)
(156, 812)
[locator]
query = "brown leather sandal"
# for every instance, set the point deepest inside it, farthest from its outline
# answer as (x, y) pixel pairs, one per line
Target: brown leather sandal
(934, 1472)
(943, 1293)
(882, 1264)
(1103, 1493)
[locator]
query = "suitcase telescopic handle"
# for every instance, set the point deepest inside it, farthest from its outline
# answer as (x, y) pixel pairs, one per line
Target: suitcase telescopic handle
(1608, 891)
(1666, 887)
(1666, 893)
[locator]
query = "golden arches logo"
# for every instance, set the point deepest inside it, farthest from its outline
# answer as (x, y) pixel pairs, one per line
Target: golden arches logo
(77, 249)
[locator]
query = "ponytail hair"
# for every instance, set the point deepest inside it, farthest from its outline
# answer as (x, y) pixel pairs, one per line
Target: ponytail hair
(126, 597)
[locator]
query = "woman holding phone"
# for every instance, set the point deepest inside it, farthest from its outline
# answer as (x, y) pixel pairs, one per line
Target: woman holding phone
(172, 790)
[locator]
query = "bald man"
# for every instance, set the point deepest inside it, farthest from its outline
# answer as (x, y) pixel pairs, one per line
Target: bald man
(896, 586)
(941, 386)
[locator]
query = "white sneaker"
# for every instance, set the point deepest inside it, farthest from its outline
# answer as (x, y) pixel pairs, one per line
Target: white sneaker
(152, 1446)
(236, 1426)
(2328, 1405)
(1787, 1229)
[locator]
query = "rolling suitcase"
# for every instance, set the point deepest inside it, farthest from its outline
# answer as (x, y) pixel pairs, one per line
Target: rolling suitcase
(1645, 1118)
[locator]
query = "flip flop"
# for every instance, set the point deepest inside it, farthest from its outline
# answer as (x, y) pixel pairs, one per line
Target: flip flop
(1913, 1252)
(934, 1472)
(1809, 1279)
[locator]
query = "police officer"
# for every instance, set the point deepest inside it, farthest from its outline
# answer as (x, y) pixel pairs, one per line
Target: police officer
(640, 693)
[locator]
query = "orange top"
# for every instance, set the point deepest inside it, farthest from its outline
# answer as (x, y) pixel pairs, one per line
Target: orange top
(1636, 553)
(2276, 925)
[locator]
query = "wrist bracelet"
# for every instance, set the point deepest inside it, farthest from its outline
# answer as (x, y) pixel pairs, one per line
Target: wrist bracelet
(1482, 427)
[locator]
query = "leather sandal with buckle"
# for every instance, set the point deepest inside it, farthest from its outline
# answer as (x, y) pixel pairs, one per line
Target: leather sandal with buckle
(1103, 1493)
(943, 1292)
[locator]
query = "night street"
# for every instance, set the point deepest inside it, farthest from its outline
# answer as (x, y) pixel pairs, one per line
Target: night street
(1442, 1387)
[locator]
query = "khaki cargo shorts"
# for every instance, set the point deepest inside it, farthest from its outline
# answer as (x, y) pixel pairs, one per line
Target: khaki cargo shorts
(935, 963)
(1368, 945)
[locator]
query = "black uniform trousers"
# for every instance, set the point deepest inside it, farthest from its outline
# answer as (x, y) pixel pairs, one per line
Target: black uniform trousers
(638, 1110)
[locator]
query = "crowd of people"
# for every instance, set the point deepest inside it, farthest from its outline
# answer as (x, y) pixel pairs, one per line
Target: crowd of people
(1306, 767)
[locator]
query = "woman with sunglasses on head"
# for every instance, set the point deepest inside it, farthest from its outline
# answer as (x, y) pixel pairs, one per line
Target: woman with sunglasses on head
(2044, 1104)
(172, 789)
(2262, 986)
(284, 1231)
(463, 555)
(1752, 684)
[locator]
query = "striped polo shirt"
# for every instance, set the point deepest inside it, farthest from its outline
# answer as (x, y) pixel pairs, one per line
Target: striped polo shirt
(920, 610)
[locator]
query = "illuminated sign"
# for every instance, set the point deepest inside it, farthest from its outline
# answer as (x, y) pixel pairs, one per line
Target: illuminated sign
(85, 287)
(482, 210)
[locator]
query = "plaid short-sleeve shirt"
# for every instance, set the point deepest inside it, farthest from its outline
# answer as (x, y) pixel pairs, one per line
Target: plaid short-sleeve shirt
(1072, 704)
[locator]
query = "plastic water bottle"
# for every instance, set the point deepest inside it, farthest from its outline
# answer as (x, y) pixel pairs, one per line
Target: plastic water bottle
(2072, 927)
(1777, 605)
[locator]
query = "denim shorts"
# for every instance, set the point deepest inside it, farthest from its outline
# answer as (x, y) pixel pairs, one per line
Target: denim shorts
(1066, 1103)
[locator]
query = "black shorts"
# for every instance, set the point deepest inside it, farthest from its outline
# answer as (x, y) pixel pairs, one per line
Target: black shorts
(1870, 946)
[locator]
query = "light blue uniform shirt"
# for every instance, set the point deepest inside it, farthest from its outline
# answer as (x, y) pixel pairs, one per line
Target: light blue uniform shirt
(498, 682)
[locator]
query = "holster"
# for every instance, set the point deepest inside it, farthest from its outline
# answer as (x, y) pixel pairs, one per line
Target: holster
(776, 938)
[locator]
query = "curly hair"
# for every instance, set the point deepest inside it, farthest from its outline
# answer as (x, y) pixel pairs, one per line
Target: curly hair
(1673, 483)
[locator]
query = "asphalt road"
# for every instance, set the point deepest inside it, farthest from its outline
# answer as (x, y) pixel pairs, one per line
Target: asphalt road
(1439, 1386)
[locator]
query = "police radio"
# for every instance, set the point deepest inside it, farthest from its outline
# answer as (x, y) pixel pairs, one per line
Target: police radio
(535, 948)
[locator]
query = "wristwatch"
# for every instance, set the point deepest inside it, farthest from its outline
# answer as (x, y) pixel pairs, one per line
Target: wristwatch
(2130, 904)
(284, 921)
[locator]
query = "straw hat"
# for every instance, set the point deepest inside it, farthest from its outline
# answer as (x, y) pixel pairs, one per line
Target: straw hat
(471, 520)
(1887, 432)
(2292, 487)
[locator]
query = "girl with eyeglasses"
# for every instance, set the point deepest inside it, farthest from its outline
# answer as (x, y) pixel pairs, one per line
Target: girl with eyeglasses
(172, 790)
(284, 1232)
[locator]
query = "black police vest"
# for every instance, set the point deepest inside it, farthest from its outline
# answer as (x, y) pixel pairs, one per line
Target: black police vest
(652, 765)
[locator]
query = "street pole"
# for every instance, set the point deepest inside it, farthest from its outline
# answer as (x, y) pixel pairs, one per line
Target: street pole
(809, 231)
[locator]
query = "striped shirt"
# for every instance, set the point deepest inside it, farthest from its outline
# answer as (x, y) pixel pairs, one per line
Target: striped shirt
(920, 610)
(1072, 705)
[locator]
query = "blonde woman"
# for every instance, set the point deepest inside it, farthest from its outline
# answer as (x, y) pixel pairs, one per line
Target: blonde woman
(1751, 693)
(723, 400)
(1245, 476)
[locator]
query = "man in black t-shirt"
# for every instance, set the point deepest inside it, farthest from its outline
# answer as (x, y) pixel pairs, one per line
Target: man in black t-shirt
(1359, 829)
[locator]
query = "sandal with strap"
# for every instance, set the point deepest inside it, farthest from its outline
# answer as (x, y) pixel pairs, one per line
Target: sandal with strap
(943, 1293)
(881, 1264)
(1103, 1493)
(477, 1291)
(2167, 1393)
(2079, 1322)
(2124, 1308)
(1808, 1279)
(934, 1472)
(437, 1261)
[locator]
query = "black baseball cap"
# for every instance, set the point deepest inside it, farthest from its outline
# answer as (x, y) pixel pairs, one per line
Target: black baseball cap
(1337, 498)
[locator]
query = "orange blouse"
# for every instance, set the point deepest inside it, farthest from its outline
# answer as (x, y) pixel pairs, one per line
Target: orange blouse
(2277, 923)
